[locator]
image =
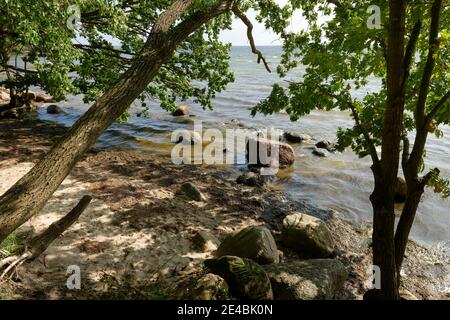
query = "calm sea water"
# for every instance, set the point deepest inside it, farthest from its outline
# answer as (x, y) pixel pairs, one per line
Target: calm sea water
(341, 182)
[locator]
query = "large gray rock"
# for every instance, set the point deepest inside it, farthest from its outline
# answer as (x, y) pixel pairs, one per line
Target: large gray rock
(255, 242)
(307, 235)
(245, 278)
(191, 191)
(307, 280)
(259, 153)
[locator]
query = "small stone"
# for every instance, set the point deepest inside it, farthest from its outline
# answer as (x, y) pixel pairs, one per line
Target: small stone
(205, 241)
(191, 191)
(253, 179)
(54, 109)
(182, 110)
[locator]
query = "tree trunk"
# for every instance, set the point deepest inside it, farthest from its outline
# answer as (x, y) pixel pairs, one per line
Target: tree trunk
(415, 190)
(29, 195)
(382, 197)
(383, 242)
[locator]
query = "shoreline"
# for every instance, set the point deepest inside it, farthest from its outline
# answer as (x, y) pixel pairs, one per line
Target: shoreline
(135, 239)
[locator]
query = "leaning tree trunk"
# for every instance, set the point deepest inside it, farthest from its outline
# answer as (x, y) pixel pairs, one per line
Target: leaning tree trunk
(29, 195)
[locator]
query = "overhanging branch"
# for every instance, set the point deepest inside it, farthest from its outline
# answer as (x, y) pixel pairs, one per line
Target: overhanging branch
(249, 25)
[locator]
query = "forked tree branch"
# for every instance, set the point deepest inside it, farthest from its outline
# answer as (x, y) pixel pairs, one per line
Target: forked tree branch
(249, 25)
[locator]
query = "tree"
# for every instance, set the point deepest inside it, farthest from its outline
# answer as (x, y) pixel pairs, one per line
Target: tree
(410, 53)
(63, 57)
(175, 53)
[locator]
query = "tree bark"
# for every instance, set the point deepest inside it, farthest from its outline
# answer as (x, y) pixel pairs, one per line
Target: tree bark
(29, 195)
(382, 197)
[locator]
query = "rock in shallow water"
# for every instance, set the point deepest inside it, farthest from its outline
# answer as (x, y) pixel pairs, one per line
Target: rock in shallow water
(259, 153)
(182, 110)
(317, 279)
(326, 144)
(245, 278)
(295, 137)
(307, 235)
(320, 152)
(54, 109)
(255, 242)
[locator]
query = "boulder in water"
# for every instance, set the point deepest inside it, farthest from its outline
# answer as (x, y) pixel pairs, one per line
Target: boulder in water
(181, 110)
(294, 137)
(54, 109)
(259, 152)
(326, 144)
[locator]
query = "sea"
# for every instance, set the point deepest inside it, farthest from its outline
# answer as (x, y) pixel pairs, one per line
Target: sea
(341, 181)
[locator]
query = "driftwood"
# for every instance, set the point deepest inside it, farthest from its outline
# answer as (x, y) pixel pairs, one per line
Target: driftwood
(38, 244)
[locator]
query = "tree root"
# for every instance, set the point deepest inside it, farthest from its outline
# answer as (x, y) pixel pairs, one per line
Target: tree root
(37, 245)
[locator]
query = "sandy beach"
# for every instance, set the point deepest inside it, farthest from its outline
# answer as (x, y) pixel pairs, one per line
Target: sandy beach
(135, 238)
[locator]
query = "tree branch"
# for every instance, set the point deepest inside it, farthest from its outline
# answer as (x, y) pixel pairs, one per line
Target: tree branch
(410, 50)
(405, 153)
(42, 241)
(249, 25)
(429, 65)
(441, 103)
(168, 17)
(359, 126)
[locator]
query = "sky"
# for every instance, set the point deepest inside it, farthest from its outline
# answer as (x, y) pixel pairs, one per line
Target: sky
(263, 37)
